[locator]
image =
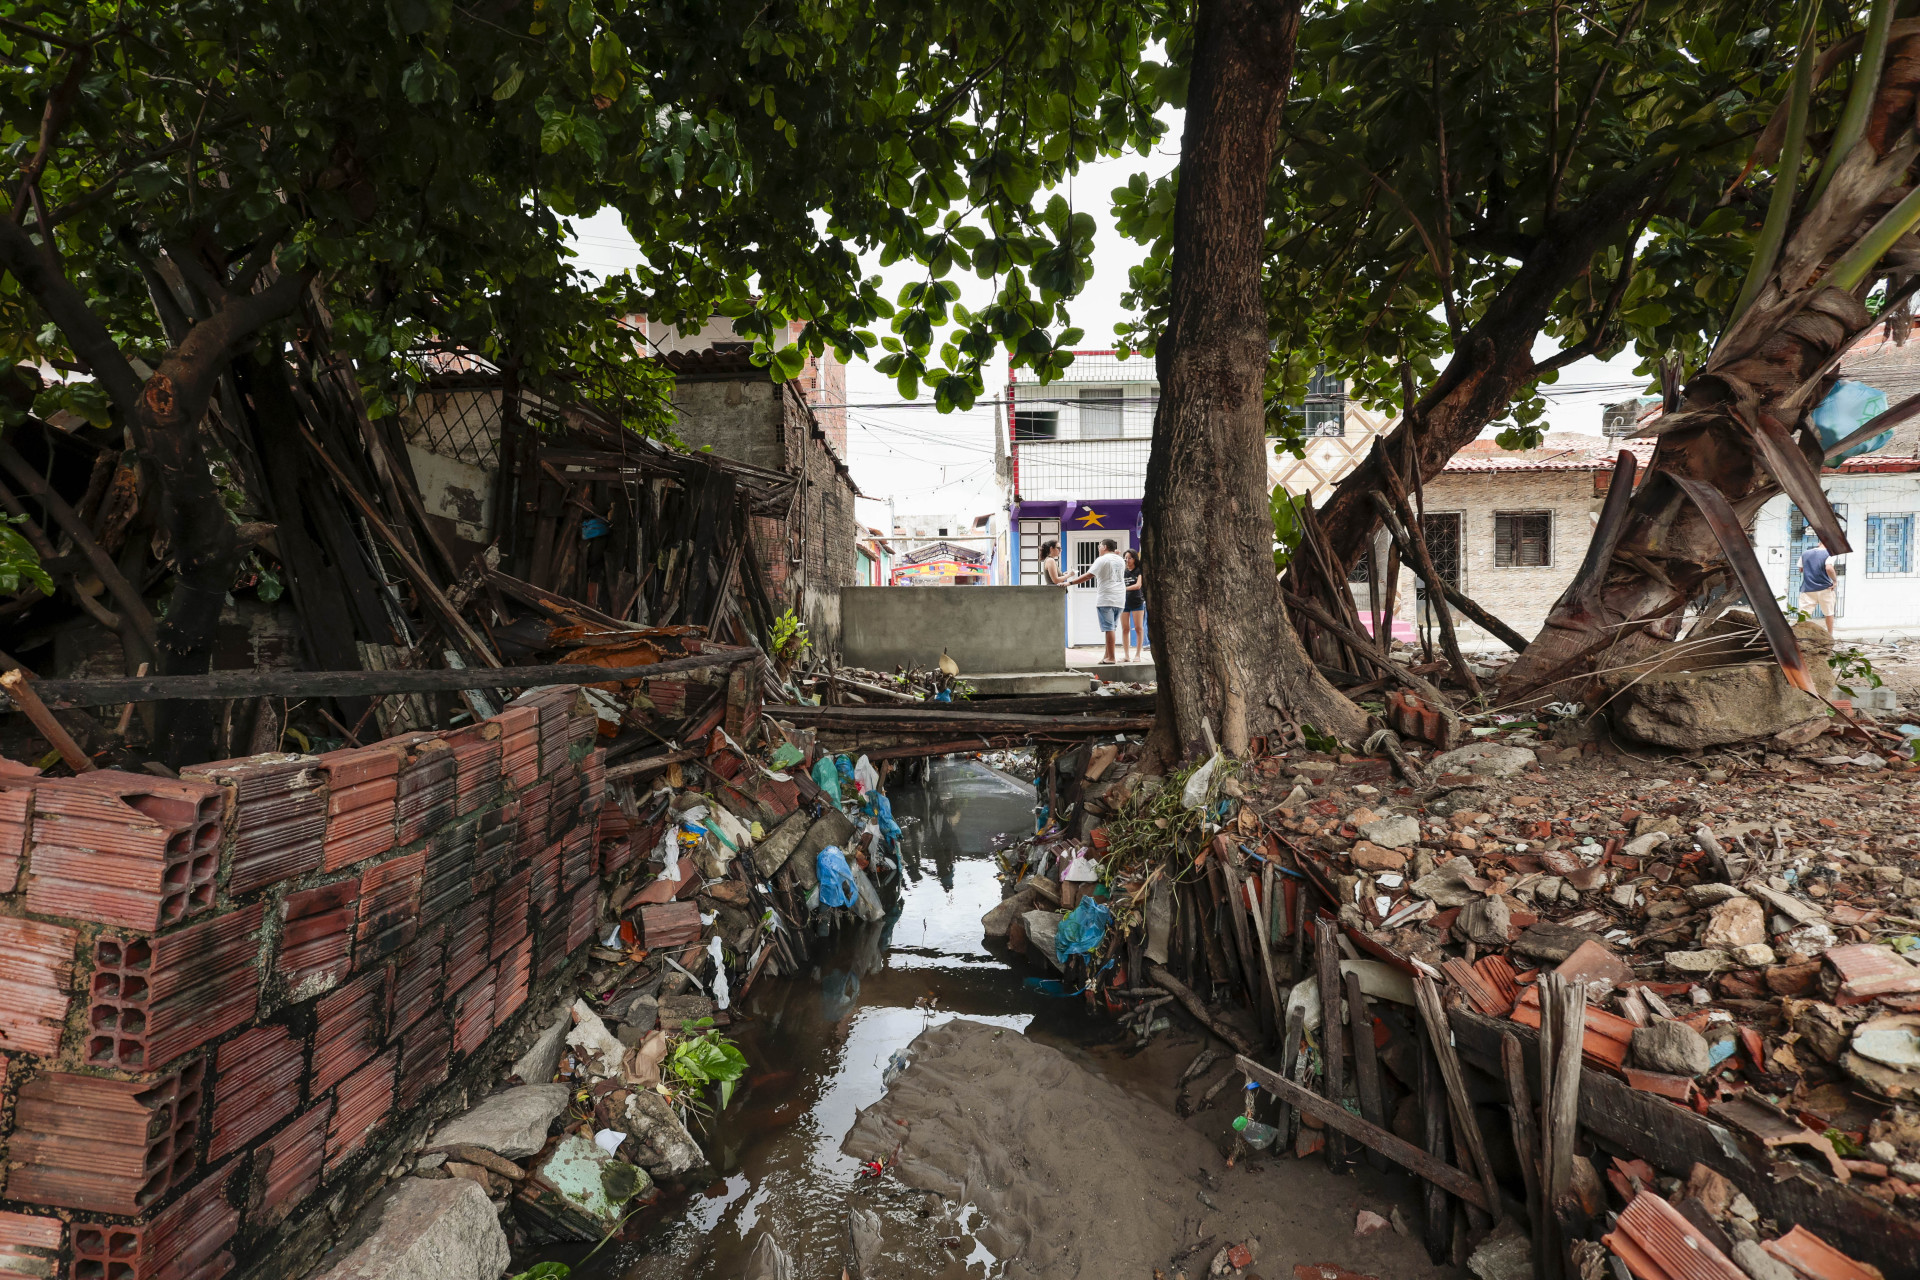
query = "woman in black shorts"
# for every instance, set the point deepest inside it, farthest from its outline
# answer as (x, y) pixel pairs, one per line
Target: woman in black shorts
(1135, 622)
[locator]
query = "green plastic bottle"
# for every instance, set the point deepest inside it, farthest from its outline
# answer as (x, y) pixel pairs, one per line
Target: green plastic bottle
(1254, 1134)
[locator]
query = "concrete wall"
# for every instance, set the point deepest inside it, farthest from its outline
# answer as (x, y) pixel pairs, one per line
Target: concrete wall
(1879, 605)
(1519, 595)
(738, 418)
(984, 629)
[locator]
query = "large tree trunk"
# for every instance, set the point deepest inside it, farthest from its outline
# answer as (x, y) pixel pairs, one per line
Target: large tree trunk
(1728, 446)
(1223, 651)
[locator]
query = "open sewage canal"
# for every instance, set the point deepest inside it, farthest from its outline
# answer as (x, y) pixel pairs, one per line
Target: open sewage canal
(820, 1045)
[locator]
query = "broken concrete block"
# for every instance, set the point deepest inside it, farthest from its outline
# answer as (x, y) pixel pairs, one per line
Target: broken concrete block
(1042, 927)
(1757, 955)
(1737, 922)
(1485, 922)
(1692, 710)
(1759, 1264)
(1699, 964)
(513, 1123)
(1396, 832)
(542, 1058)
(576, 1191)
(1488, 759)
(428, 1229)
(1503, 1256)
(1711, 895)
(1673, 1048)
(772, 853)
(830, 828)
(1551, 943)
(1445, 885)
(661, 1144)
(996, 922)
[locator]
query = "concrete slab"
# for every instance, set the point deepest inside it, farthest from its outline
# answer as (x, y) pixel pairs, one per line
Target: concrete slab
(512, 1123)
(999, 684)
(1123, 673)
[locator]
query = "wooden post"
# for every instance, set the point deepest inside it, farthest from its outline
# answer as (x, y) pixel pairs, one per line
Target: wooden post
(1513, 1062)
(1327, 960)
(1472, 1145)
(21, 691)
(1366, 1066)
(1438, 1233)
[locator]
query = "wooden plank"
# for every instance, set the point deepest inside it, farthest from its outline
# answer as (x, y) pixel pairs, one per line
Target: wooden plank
(1326, 955)
(1525, 1144)
(1366, 1064)
(1335, 1116)
(1468, 1140)
(24, 696)
(1674, 1138)
(324, 684)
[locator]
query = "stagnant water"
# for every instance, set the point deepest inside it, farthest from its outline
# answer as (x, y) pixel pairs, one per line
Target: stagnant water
(819, 1041)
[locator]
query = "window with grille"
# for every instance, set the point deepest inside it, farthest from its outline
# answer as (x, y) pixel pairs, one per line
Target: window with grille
(1325, 407)
(1035, 424)
(1522, 539)
(1890, 544)
(1100, 413)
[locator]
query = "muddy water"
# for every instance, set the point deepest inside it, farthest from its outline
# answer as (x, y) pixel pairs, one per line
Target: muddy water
(820, 1041)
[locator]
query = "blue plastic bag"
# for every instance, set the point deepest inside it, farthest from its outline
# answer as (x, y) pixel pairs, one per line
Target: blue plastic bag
(883, 814)
(837, 888)
(1082, 931)
(1847, 408)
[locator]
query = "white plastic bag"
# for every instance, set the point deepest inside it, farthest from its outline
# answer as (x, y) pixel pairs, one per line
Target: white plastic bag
(1194, 794)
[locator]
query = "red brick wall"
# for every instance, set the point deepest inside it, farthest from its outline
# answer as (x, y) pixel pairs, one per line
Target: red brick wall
(220, 994)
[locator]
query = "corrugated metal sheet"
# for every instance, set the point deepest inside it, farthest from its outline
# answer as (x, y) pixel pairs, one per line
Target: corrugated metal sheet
(316, 940)
(36, 968)
(364, 1099)
(107, 1146)
(256, 1084)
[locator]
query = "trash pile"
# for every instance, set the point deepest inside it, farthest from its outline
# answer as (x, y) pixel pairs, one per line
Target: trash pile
(741, 860)
(1741, 925)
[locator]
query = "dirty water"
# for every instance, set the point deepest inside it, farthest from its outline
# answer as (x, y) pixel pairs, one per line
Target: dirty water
(819, 1043)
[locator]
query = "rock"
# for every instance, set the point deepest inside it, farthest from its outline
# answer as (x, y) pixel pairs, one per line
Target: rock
(864, 1226)
(1503, 1256)
(576, 1190)
(1647, 824)
(1692, 710)
(1673, 1048)
(996, 922)
(1551, 943)
(1759, 1264)
(639, 1015)
(1369, 856)
(1712, 895)
(1445, 885)
(1737, 922)
(1159, 917)
(1041, 927)
(831, 827)
(661, 1144)
(512, 1124)
(678, 1010)
(428, 1229)
(1641, 846)
(772, 853)
(597, 1048)
(1485, 922)
(1699, 963)
(1755, 955)
(542, 1058)
(1396, 832)
(1489, 759)
(768, 1261)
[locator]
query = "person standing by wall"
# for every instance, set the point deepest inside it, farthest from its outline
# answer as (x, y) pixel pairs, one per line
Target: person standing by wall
(1109, 574)
(1050, 570)
(1816, 583)
(1134, 634)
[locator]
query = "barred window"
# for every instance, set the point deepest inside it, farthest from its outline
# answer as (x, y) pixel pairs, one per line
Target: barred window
(1890, 544)
(1522, 538)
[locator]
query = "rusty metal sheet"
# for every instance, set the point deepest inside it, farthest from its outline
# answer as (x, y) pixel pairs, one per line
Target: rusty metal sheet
(1752, 578)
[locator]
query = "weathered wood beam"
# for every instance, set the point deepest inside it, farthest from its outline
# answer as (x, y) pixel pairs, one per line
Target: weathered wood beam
(331, 684)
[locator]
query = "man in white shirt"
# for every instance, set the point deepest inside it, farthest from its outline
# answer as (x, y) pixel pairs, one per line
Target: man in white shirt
(1109, 575)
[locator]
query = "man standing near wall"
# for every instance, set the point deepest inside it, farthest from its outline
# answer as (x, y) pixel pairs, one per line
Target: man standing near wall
(1816, 583)
(1109, 574)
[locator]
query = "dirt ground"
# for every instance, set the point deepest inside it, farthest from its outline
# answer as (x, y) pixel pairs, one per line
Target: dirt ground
(1078, 1177)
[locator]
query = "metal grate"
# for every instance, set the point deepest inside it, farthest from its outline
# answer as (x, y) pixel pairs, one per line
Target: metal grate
(1442, 532)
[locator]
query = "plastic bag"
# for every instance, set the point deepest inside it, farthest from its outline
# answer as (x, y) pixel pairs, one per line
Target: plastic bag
(836, 878)
(865, 775)
(827, 778)
(1082, 931)
(1081, 869)
(867, 905)
(883, 814)
(1194, 794)
(1847, 408)
(719, 971)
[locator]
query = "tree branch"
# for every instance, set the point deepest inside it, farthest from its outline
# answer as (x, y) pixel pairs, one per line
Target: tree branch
(66, 307)
(52, 120)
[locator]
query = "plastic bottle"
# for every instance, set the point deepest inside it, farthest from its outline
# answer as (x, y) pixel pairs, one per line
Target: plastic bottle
(1254, 1134)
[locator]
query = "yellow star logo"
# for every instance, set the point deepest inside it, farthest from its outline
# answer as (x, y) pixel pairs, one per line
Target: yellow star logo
(1092, 520)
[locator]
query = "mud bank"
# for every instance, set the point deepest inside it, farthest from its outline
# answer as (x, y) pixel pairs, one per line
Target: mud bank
(1068, 1175)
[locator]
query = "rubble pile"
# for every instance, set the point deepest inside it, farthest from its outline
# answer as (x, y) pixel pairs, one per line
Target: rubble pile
(1741, 925)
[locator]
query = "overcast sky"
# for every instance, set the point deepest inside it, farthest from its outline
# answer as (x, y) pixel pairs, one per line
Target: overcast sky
(933, 463)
